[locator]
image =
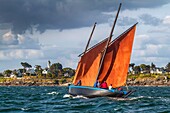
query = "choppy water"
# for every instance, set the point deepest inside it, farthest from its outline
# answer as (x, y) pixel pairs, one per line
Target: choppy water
(56, 100)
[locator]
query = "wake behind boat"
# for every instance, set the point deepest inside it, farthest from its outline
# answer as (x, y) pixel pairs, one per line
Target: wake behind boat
(106, 61)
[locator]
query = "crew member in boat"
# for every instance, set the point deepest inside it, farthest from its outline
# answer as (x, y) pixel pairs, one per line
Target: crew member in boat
(104, 85)
(119, 89)
(110, 87)
(97, 83)
(79, 83)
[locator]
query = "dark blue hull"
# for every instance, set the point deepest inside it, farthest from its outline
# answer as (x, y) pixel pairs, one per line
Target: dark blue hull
(91, 92)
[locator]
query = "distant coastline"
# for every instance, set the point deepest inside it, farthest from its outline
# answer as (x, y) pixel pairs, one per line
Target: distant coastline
(55, 75)
(148, 82)
(34, 81)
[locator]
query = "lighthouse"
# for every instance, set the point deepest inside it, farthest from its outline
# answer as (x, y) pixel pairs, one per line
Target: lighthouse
(48, 64)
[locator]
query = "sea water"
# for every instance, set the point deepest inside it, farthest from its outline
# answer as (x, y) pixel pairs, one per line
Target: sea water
(57, 100)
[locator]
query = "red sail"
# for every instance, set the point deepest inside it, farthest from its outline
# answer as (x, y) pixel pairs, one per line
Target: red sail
(89, 64)
(115, 67)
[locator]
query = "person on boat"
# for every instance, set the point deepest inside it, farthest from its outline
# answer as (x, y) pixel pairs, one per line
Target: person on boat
(119, 89)
(110, 87)
(104, 85)
(79, 83)
(97, 84)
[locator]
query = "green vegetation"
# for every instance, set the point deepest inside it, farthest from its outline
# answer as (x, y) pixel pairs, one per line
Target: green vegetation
(134, 76)
(51, 75)
(56, 74)
(26, 65)
(148, 74)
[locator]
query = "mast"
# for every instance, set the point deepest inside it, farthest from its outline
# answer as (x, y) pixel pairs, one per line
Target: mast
(87, 44)
(90, 37)
(108, 41)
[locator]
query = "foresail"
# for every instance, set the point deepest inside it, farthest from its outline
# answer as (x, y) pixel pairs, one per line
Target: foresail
(89, 64)
(115, 67)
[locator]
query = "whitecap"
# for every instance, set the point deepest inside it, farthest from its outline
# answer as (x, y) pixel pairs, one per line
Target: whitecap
(123, 99)
(67, 96)
(80, 96)
(119, 99)
(53, 93)
(24, 109)
(74, 97)
(136, 98)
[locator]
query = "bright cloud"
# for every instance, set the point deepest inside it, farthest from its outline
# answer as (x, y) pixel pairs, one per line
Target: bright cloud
(166, 20)
(20, 54)
(8, 39)
(141, 41)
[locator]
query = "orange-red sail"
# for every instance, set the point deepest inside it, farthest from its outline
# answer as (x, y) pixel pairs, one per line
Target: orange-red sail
(117, 59)
(115, 65)
(89, 64)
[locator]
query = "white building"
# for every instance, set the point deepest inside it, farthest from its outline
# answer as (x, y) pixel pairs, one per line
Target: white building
(13, 75)
(45, 71)
(157, 71)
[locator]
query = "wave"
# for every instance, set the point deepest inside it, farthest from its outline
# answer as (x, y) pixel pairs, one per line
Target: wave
(53, 93)
(136, 98)
(24, 109)
(124, 99)
(74, 97)
(67, 96)
(144, 97)
(80, 96)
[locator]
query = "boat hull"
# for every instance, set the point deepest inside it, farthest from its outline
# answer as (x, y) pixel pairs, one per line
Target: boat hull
(92, 92)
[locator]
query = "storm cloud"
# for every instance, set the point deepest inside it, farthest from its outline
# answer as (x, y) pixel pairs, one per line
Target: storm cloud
(23, 15)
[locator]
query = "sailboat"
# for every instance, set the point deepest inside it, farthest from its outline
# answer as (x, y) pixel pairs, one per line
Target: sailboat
(106, 61)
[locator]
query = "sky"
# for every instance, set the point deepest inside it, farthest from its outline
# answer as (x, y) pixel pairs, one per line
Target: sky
(36, 31)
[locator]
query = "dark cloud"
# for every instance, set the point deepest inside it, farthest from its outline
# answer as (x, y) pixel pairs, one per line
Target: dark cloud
(136, 4)
(4, 26)
(24, 15)
(150, 20)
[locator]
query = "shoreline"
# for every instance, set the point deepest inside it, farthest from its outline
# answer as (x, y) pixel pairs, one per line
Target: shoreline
(33, 81)
(66, 84)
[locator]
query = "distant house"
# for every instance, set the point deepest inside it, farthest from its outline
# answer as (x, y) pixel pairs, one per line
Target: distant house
(134, 72)
(69, 73)
(145, 71)
(19, 73)
(30, 71)
(157, 71)
(66, 74)
(13, 75)
(45, 71)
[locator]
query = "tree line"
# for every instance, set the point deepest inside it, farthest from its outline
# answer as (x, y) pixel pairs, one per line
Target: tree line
(57, 70)
(145, 67)
(53, 71)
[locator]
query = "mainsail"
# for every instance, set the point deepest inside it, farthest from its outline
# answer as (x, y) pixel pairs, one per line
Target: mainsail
(106, 61)
(89, 64)
(116, 62)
